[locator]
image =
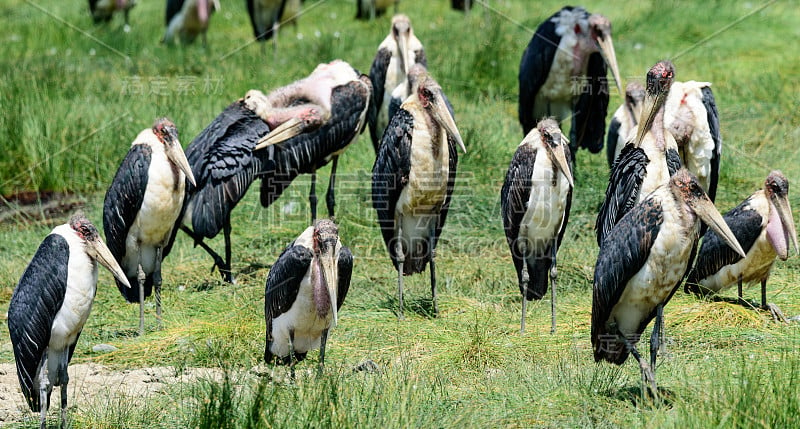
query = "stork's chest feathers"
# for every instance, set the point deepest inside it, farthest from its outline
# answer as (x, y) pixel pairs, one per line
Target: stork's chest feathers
(430, 155)
(162, 200)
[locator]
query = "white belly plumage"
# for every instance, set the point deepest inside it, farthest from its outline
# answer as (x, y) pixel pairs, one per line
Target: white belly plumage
(302, 317)
(546, 206)
(160, 209)
(754, 267)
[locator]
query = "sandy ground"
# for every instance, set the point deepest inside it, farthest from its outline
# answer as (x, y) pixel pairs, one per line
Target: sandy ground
(89, 380)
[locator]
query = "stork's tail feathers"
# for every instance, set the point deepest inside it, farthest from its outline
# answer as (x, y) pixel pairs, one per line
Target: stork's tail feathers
(131, 294)
(609, 348)
(539, 275)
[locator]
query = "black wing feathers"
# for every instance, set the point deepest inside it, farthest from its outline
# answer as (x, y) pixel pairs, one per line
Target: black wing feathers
(713, 128)
(377, 74)
(33, 307)
(345, 273)
(534, 68)
(624, 184)
(611, 140)
(515, 193)
(173, 8)
(589, 120)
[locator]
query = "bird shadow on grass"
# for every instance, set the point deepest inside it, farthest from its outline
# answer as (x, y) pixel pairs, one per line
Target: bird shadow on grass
(633, 395)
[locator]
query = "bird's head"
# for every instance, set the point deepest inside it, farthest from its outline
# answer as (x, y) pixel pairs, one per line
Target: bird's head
(688, 192)
(402, 32)
(556, 145)
(326, 244)
(95, 247)
(167, 134)
(600, 33)
(659, 81)
(780, 229)
(431, 98)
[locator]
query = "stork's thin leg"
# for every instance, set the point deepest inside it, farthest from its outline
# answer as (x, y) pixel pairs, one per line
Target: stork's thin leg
(292, 361)
(227, 273)
(524, 281)
(329, 198)
(655, 338)
(524, 311)
(400, 260)
(648, 377)
(741, 300)
(64, 377)
(44, 391)
(763, 292)
(312, 196)
(322, 343)
(198, 241)
(157, 286)
(553, 278)
(432, 247)
(777, 314)
(141, 277)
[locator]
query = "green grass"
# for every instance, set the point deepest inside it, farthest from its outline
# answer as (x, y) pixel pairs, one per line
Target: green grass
(71, 106)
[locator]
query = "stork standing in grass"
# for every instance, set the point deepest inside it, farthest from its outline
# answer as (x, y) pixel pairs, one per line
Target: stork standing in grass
(187, 19)
(413, 180)
(641, 264)
(305, 290)
(50, 305)
(535, 200)
(141, 207)
(645, 163)
(563, 74)
(764, 226)
(398, 52)
(692, 120)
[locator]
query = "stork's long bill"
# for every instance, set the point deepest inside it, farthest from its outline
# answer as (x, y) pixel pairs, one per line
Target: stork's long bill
(553, 143)
(432, 99)
(326, 237)
(659, 81)
(166, 131)
(95, 247)
(607, 49)
(779, 199)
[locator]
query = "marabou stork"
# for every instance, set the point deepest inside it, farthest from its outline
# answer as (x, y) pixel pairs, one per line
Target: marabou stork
(305, 290)
(371, 9)
(398, 52)
(690, 116)
(764, 226)
(535, 200)
(645, 163)
(187, 19)
(141, 207)
(50, 305)
(312, 121)
(624, 120)
(563, 74)
(641, 263)
(103, 10)
(413, 180)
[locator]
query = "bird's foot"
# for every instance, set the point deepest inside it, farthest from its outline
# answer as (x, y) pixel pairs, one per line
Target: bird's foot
(777, 314)
(649, 381)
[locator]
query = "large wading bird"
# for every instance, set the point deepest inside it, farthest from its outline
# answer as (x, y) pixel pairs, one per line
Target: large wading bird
(691, 118)
(398, 52)
(50, 305)
(305, 290)
(187, 19)
(625, 119)
(103, 10)
(764, 226)
(641, 264)
(645, 163)
(312, 121)
(535, 200)
(413, 180)
(141, 207)
(563, 74)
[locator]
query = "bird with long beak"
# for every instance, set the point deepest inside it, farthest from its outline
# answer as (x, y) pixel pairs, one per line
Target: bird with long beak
(641, 264)
(535, 201)
(648, 161)
(764, 226)
(50, 306)
(398, 52)
(563, 72)
(413, 180)
(141, 208)
(305, 290)
(187, 19)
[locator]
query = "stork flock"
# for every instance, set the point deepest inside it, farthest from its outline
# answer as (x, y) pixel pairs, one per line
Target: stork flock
(663, 148)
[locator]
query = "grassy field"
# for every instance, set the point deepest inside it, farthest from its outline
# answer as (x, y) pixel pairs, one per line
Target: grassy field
(74, 96)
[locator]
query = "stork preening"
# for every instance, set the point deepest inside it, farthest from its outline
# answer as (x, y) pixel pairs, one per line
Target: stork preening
(305, 290)
(371, 9)
(187, 19)
(764, 226)
(535, 200)
(313, 119)
(50, 305)
(141, 208)
(413, 180)
(641, 263)
(625, 119)
(103, 10)
(563, 74)
(691, 118)
(398, 52)
(645, 163)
